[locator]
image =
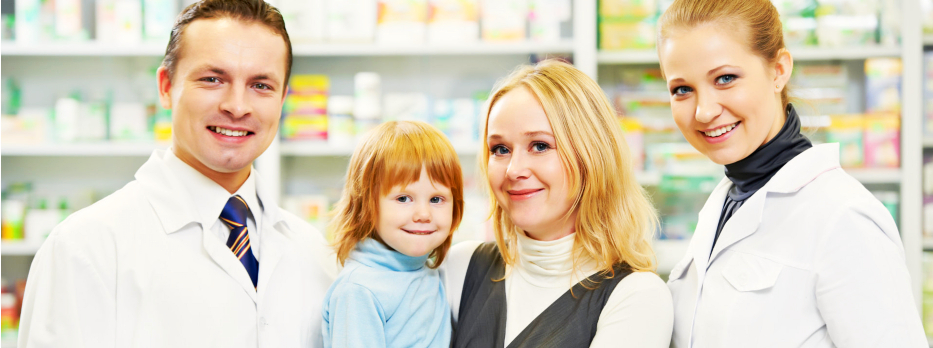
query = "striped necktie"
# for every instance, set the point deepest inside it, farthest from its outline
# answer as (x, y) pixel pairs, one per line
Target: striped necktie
(234, 216)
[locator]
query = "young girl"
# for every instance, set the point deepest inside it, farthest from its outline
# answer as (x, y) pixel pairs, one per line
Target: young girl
(402, 201)
(789, 250)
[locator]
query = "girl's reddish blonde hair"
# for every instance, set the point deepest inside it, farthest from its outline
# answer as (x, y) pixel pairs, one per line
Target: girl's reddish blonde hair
(392, 155)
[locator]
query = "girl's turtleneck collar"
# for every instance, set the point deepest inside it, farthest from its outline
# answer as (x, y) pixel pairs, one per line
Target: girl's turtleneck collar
(543, 262)
(374, 253)
(753, 172)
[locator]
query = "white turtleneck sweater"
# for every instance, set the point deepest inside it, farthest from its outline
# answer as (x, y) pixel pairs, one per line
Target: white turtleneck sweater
(639, 312)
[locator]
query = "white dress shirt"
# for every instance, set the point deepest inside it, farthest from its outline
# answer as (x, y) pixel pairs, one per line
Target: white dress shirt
(142, 268)
(212, 198)
(638, 313)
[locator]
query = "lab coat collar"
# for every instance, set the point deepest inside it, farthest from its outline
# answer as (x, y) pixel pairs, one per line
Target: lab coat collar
(164, 178)
(796, 174)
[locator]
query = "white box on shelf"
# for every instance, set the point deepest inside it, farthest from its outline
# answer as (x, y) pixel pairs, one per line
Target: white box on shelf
(351, 20)
(305, 20)
(159, 19)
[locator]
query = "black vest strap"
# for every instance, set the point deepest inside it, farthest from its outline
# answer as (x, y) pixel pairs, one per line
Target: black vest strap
(568, 322)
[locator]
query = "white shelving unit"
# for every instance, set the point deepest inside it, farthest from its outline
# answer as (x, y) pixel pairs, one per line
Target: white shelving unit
(94, 49)
(800, 54)
(101, 149)
(19, 248)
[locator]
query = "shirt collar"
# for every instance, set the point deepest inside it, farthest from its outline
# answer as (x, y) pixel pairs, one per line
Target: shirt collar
(181, 195)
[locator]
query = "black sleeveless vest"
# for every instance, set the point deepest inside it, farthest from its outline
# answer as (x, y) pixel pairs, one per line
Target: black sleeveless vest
(568, 322)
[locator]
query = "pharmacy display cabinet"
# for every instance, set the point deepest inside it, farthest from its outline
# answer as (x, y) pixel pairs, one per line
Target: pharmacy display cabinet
(107, 120)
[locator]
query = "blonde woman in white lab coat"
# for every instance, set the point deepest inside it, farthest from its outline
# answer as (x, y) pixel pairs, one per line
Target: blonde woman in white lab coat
(789, 250)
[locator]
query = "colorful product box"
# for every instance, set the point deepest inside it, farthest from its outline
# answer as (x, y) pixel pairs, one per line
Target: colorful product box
(305, 108)
(402, 21)
(453, 21)
(882, 141)
(883, 85)
(848, 131)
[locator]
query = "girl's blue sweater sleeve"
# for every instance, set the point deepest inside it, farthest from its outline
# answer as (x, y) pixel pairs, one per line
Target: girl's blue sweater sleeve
(355, 318)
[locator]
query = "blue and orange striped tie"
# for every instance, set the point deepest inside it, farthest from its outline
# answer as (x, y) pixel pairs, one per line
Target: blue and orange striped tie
(234, 216)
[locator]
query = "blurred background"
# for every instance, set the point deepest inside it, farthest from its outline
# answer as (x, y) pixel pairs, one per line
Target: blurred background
(81, 113)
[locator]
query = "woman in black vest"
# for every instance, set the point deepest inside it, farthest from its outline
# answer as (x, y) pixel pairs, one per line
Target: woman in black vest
(572, 264)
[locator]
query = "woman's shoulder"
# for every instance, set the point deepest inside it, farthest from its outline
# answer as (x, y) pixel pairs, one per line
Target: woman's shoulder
(647, 285)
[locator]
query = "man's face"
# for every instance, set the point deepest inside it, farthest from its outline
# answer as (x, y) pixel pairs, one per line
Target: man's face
(226, 94)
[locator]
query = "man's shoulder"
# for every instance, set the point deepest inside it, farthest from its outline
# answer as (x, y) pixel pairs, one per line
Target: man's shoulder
(111, 212)
(309, 241)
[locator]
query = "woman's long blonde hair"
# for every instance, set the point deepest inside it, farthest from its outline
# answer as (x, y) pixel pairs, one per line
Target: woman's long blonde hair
(615, 220)
(393, 155)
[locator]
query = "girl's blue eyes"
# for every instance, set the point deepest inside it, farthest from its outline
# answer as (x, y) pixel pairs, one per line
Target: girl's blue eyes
(407, 199)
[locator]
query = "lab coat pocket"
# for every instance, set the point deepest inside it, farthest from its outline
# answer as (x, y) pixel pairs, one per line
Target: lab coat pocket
(746, 272)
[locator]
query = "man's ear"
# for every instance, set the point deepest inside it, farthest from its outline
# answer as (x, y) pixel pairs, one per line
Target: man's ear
(165, 88)
(783, 67)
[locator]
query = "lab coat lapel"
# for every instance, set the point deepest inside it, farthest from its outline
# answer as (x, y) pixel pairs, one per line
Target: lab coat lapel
(702, 240)
(742, 224)
(275, 242)
(273, 247)
(797, 173)
(228, 262)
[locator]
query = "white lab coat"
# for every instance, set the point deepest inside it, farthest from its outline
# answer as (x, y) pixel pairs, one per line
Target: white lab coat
(133, 270)
(810, 260)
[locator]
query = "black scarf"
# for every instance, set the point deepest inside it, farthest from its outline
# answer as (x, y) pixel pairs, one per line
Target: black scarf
(753, 172)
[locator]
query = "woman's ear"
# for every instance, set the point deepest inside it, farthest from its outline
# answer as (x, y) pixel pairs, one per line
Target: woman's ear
(783, 67)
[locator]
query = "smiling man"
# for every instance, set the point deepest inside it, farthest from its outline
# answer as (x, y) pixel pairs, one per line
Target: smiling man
(194, 252)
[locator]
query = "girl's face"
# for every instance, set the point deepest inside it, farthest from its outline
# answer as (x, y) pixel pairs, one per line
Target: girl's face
(415, 219)
(525, 172)
(725, 99)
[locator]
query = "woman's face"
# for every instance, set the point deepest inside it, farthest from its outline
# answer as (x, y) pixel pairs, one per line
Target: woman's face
(525, 172)
(725, 99)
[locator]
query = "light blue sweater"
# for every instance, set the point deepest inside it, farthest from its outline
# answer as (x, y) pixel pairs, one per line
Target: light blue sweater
(383, 298)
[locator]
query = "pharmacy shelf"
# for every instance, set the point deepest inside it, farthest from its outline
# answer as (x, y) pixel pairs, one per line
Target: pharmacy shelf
(8, 344)
(82, 149)
(94, 49)
(928, 143)
(19, 248)
(306, 50)
(800, 54)
(323, 149)
(928, 40)
(627, 57)
(876, 175)
(476, 48)
(928, 245)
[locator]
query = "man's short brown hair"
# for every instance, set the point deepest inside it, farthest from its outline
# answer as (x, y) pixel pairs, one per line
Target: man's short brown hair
(257, 11)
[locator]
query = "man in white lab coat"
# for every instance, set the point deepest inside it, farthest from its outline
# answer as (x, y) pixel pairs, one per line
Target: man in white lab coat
(194, 252)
